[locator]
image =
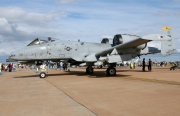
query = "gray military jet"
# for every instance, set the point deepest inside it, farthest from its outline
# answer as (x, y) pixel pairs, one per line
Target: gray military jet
(123, 47)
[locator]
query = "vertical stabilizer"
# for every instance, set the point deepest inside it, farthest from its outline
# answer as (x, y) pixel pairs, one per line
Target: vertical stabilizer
(167, 47)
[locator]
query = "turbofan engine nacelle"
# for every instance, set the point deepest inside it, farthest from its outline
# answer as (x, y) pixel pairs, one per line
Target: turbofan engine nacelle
(141, 47)
(123, 38)
(117, 39)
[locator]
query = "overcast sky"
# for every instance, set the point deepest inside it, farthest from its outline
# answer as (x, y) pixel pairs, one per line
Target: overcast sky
(21, 21)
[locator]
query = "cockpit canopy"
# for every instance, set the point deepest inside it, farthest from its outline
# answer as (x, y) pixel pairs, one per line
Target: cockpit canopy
(38, 41)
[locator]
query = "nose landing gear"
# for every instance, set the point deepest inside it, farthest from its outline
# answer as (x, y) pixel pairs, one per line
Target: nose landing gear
(42, 75)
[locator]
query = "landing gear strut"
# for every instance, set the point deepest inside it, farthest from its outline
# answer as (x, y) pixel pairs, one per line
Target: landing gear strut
(89, 70)
(111, 71)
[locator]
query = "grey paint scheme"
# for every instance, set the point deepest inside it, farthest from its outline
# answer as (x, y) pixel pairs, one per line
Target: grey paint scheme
(131, 47)
(58, 50)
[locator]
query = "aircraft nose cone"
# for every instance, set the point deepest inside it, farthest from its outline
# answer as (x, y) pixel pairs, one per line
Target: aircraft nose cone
(12, 57)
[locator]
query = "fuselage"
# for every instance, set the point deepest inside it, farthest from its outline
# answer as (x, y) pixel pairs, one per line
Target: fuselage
(72, 50)
(58, 50)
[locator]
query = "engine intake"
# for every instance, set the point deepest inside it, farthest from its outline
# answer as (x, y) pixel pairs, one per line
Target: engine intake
(141, 47)
(117, 40)
(105, 40)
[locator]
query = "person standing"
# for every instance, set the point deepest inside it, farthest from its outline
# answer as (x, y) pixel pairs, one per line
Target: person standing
(0, 68)
(65, 66)
(131, 65)
(143, 64)
(5, 67)
(10, 67)
(68, 66)
(55, 66)
(61, 65)
(149, 65)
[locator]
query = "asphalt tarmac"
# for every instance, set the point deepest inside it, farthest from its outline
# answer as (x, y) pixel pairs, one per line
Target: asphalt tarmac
(130, 93)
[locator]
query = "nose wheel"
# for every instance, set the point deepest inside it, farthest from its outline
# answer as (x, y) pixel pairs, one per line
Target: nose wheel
(42, 75)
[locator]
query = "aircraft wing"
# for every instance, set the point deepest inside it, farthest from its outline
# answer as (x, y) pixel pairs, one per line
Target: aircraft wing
(130, 44)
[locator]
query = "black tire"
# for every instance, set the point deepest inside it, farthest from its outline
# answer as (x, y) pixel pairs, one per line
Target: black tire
(89, 70)
(42, 75)
(111, 71)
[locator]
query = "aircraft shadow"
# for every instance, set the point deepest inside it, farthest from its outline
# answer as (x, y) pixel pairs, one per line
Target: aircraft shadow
(96, 74)
(130, 70)
(140, 70)
(28, 76)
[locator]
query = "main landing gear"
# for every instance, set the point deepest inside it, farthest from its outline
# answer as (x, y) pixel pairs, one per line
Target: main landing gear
(89, 70)
(111, 71)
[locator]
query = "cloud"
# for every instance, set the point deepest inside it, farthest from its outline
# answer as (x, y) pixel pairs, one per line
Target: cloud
(19, 25)
(18, 15)
(9, 32)
(3, 51)
(178, 50)
(1, 38)
(7, 48)
(5, 26)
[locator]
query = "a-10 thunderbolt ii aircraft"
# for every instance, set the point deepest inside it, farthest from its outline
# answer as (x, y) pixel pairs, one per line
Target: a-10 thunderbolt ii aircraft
(123, 47)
